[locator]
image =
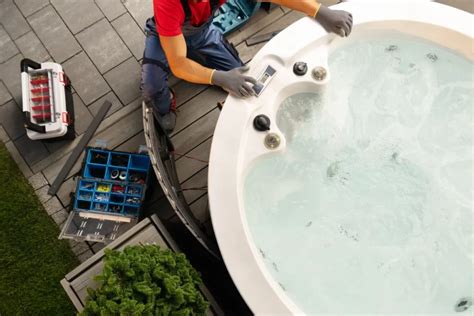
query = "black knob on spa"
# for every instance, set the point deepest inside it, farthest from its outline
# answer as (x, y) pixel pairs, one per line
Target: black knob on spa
(261, 123)
(300, 68)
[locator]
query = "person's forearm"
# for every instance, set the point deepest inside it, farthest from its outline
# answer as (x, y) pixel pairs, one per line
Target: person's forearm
(308, 7)
(189, 70)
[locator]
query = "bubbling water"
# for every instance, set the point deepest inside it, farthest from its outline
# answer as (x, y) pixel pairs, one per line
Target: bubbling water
(369, 209)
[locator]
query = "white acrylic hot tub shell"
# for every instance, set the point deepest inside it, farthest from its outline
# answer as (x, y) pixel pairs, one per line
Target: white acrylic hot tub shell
(236, 144)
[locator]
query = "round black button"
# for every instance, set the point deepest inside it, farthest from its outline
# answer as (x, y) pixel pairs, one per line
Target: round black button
(261, 123)
(300, 68)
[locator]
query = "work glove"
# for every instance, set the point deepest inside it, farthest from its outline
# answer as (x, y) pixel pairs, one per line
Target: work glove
(234, 81)
(335, 21)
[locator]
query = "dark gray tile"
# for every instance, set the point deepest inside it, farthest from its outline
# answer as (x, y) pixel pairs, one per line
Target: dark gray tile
(10, 75)
(12, 20)
(27, 7)
(5, 96)
(103, 45)
(111, 8)
(12, 120)
(31, 47)
(139, 9)
(84, 256)
(53, 206)
(54, 34)
(116, 104)
(37, 181)
(3, 135)
(7, 46)
(82, 116)
(77, 14)
(85, 78)
(64, 192)
(24, 168)
(60, 216)
(125, 80)
(131, 34)
(32, 151)
(54, 146)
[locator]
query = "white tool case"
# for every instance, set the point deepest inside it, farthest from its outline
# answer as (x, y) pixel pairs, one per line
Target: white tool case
(46, 93)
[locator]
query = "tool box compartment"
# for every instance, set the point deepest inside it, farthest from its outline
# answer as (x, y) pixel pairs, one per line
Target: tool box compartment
(111, 189)
(46, 101)
(234, 13)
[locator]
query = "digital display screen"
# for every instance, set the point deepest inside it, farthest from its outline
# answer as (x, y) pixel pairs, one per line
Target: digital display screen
(264, 78)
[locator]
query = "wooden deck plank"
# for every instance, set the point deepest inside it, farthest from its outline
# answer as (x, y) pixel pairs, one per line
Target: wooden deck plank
(196, 186)
(260, 20)
(200, 209)
(197, 107)
(247, 52)
(133, 143)
(196, 160)
(160, 207)
(196, 133)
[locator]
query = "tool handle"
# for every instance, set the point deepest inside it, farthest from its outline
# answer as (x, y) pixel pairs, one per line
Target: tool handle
(32, 126)
(28, 63)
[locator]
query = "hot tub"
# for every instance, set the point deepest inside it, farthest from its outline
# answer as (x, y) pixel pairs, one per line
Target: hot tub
(358, 199)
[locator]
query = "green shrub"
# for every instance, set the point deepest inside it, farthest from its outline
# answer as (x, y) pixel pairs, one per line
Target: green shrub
(145, 280)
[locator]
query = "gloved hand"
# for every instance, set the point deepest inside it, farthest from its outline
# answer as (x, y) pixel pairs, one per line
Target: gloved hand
(335, 21)
(234, 81)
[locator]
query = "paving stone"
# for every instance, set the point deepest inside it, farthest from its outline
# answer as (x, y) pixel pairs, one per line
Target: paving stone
(3, 135)
(31, 47)
(77, 14)
(52, 206)
(60, 216)
(82, 115)
(10, 75)
(7, 46)
(27, 7)
(12, 120)
(131, 34)
(5, 96)
(98, 246)
(111, 8)
(18, 159)
(64, 192)
(31, 150)
(84, 256)
(103, 45)
(54, 34)
(37, 181)
(42, 194)
(116, 104)
(54, 146)
(12, 20)
(85, 78)
(78, 247)
(139, 9)
(125, 80)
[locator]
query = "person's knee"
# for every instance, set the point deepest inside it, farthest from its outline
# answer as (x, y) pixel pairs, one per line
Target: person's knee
(153, 81)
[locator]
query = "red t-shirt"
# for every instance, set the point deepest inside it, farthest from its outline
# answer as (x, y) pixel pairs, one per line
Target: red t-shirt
(169, 15)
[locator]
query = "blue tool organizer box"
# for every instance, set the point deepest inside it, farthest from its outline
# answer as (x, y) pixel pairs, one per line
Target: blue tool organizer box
(234, 13)
(109, 195)
(112, 182)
